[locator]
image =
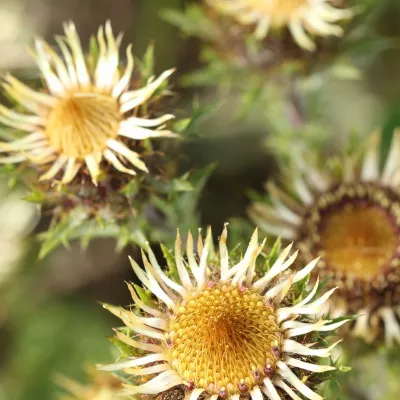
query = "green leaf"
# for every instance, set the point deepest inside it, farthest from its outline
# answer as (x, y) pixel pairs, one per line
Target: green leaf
(275, 252)
(192, 22)
(36, 196)
(145, 295)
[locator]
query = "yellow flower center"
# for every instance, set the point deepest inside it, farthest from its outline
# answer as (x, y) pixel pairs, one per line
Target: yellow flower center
(280, 11)
(359, 238)
(225, 340)
(355, 228)
(81, 123)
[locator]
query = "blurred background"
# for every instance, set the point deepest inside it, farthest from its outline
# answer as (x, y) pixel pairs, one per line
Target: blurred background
(50, 318)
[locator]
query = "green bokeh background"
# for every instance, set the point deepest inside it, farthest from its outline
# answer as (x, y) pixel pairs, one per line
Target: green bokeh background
(51, 321)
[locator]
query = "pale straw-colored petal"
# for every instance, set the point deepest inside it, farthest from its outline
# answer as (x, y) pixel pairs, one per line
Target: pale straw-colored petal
(361, 327)
(370, 167)
(255, 393)
(303, 190)
(53, 83)
(28, 139)
(279, 382)
(74, 42)
(23, 126)
(134, 322)
(295, 328)
(293, 362)
(190, 253)
(332, 14)
(315, 178)
(300, 36)
(201, 275)
(29, 98)
(182, 271)
(239, 269)
(33, 120)
(54, 169)
(42, 155)
(251, 270)
(130, 155)
(152, 273)
(392, 164)
(269, 390)
(71, 170)
(310, 296)
(132, 99)
(130, 130)
(126, 77)
(283, 211)
(321, 27)
(196, 393)
(148, 122)
(262, 28)
(136, 362)
(137, 344)
(289, 376)
(391, 326)
(146, 308)
(153, 322)
(150, 282)
(92, 162)
(22, 146)
(199, 244)
(155, 369)
(160, 273)
(12, 159)
(311, 308)
(61, 70)
(298, 276)
(100, 72)
(162, 382)
(107, 66)
(291, 346)
(68, 61)
(223, 251)
(277, 268)
(282, 231)
(116, 163)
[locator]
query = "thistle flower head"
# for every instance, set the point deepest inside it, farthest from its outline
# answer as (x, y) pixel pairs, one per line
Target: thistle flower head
(101, 386)
(350, 217)
(302, 17)
(220, 328)
(87, 113)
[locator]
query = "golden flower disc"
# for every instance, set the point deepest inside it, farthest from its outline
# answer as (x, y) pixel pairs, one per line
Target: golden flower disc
(81, 123)
(355, 228)
(225, 340)
(371, 239)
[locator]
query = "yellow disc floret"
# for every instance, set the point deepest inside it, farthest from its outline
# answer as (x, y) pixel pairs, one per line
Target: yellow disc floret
(225, 339)
(82, 123)
(371, 240)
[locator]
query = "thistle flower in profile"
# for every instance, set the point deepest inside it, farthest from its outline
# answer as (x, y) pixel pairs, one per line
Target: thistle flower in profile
(349, 215)
(86, 114)
(217, 327)
(303, 18)
(101, 386)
